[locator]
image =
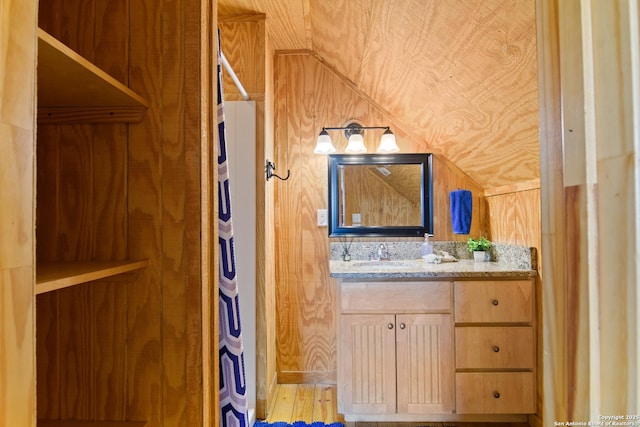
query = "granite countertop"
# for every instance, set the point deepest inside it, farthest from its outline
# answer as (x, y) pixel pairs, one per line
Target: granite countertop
(506, 261)
(407, 269)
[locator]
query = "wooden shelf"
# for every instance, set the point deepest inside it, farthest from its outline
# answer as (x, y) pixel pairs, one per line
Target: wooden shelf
(51, 276)
(73, 90)
(80, 423)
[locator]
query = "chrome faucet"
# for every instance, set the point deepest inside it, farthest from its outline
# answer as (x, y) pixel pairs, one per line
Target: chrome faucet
(382, 254)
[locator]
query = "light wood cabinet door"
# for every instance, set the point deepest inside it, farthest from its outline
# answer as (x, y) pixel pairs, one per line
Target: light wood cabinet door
(425, 363)
(368, 358)
(397, 364)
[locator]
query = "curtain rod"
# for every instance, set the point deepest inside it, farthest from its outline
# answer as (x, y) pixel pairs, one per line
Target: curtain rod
(234, 77)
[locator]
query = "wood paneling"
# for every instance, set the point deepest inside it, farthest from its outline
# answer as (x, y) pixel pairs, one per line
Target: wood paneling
(308, 96)
(448, 178)
(243, 44)
(589, 136)
(17, 269)
(289, 31)
(209, 232)
(514, 218)
(460, 75)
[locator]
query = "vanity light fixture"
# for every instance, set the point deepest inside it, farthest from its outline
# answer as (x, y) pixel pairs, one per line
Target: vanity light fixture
(354, 133)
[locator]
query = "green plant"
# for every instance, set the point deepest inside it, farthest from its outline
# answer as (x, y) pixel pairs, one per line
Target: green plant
(481, 244)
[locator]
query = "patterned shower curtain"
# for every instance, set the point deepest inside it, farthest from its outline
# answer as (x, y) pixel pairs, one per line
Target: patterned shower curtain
(233, 401)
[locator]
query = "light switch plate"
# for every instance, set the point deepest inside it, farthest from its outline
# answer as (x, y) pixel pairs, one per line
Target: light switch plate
(322, 217)
(356, 218)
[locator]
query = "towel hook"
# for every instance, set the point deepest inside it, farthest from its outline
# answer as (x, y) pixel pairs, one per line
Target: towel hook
(270, 167)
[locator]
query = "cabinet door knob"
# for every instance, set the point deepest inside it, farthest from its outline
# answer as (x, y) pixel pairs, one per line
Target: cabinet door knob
(496, 349)
(494, 302)
(402, 326)
(496, 395)
(390, 326)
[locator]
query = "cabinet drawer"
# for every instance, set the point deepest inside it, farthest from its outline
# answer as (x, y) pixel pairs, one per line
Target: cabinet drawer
(395, 297)
(494, 302)
(509, 347)
(495, 393)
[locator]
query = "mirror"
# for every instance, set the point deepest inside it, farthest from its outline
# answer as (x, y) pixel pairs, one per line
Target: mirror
(379, 195)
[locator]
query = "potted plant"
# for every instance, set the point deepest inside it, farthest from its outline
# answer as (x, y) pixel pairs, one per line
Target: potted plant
(479, 247)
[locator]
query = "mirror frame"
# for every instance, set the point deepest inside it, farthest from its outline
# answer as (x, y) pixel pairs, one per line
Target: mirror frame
(426, 223)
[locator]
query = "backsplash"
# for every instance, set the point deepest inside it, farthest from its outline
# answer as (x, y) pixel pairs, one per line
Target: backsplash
(524, 257)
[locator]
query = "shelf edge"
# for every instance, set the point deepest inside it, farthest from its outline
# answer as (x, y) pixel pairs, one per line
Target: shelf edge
(81, 423)
(58, 115)
(66, 274)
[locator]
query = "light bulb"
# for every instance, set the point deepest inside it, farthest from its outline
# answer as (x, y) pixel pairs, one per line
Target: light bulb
(324, 144)
(388, 143)
(356, 144)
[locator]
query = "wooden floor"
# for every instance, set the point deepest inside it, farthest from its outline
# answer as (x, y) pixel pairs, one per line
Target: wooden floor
(318, 402)
(305, 402)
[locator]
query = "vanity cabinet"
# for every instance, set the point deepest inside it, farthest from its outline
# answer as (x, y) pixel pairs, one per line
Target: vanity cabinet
(436, 350)
(495, 347)
(395, 350)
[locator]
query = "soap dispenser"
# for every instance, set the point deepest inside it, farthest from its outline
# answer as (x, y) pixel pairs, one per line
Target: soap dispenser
(427, 247)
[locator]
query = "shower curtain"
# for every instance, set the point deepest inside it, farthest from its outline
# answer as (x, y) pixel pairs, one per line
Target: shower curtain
(233, 401)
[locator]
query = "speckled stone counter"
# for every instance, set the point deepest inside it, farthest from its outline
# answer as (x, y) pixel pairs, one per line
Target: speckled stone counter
(507, 261)
(416, 269)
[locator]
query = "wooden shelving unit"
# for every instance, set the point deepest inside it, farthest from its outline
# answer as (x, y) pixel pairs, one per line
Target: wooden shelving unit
(73, 90)
(71, 162)
(51, 276)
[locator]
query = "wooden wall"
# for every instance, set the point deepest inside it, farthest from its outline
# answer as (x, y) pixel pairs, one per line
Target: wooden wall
(129, 348)
(17, 132)
(461, 75)
(513, 214)
(246, 46)
(308, 96)
(589, 64)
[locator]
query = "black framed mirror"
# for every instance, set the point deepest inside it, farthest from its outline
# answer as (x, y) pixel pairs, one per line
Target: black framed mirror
(380, 195)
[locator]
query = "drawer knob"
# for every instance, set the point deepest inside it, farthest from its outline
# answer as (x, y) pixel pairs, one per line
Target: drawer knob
(494, 302)
(390, 326)
(402, 326)
(496, 395)
(496, 349)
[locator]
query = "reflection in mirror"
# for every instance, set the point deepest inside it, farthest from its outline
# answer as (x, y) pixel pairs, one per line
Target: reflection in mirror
(380, 195)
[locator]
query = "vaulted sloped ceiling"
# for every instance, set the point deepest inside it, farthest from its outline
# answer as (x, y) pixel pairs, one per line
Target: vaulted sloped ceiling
(459, 74)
